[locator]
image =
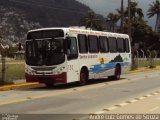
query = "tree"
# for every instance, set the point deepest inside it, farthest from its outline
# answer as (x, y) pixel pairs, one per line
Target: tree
(136, 13)
(122, 16)
(0, 38)
(91, 21)
(112, 19)
(153, 10)
(142, 33)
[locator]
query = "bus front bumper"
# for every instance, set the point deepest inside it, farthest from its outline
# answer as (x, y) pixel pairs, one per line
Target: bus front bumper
(53, 79)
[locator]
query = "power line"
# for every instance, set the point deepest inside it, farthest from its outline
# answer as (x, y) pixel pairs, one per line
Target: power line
(43, 3)
(35, 2)
(40, 5)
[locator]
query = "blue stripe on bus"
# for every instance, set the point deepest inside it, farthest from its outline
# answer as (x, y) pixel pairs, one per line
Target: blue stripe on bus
(104, 67)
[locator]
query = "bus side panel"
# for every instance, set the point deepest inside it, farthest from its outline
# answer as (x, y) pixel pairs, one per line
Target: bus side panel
(109, 68)
(73, 71)
(107, 62)
(89, 61)
(126, 63)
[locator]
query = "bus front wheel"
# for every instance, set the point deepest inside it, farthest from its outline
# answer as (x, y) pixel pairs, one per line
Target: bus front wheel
(83, 77)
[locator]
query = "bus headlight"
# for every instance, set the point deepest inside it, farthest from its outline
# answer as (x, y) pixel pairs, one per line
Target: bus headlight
(30, 71)
(59, 71)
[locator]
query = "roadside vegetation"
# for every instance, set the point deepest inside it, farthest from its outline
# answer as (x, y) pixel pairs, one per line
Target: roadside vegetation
(14, 71)
(147, 63)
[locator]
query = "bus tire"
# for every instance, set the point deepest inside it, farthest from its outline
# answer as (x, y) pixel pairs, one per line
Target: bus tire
(49, 85)
(83, 77)
(117, 74)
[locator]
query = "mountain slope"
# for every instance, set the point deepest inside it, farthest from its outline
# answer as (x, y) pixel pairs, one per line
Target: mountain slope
(19, 16)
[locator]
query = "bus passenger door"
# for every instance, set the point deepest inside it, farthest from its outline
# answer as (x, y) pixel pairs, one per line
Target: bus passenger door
(72, 60)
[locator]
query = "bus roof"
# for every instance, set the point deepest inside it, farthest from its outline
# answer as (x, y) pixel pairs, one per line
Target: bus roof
(84, 31)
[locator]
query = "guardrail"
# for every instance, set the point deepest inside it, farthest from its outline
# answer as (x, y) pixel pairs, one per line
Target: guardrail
(145, 58)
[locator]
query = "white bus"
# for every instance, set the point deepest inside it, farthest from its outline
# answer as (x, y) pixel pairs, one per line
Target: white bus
(64, 55)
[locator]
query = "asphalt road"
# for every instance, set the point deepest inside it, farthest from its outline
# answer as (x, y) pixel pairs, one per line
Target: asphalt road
(72, 99)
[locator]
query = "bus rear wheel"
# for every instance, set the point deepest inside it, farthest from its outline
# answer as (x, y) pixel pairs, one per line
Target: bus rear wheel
(117, 73)
(83, 77)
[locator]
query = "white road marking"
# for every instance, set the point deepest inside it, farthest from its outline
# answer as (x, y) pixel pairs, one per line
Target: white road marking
(149, 95)
(100, 112)
(122, 104)
(132, 101)
(110, 109)
(153, 109)
(158, 98)
(141, 98)
(154, 93)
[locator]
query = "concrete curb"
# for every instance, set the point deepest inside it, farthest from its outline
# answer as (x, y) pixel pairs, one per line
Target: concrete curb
(142, 70)
(36, 84)
(16, 86)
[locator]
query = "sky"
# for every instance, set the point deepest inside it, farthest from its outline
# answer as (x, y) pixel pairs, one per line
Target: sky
(104, 7)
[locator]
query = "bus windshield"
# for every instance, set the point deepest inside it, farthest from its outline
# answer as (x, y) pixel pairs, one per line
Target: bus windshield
(47, 51)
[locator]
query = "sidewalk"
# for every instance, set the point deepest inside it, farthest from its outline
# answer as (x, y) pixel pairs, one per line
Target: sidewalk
(19, 81)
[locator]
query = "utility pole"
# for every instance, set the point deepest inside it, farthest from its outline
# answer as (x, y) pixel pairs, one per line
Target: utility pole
(129, 19)
(129, 33)
(3, 69)
(122, 16)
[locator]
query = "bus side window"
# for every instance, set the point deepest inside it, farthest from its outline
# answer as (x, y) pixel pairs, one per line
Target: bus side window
(120, 45)
(83, 46)
(103, 43)
(126, 44)
(72, 52)
(93, 44)
(112, 44)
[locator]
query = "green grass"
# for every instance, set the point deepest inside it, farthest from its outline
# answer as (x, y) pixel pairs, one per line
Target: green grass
(13, 71)
(147, 63)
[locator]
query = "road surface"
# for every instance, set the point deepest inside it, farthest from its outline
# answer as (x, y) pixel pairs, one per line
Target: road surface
(96, 97)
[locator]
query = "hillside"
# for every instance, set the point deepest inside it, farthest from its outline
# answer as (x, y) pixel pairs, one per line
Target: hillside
(19, 16)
